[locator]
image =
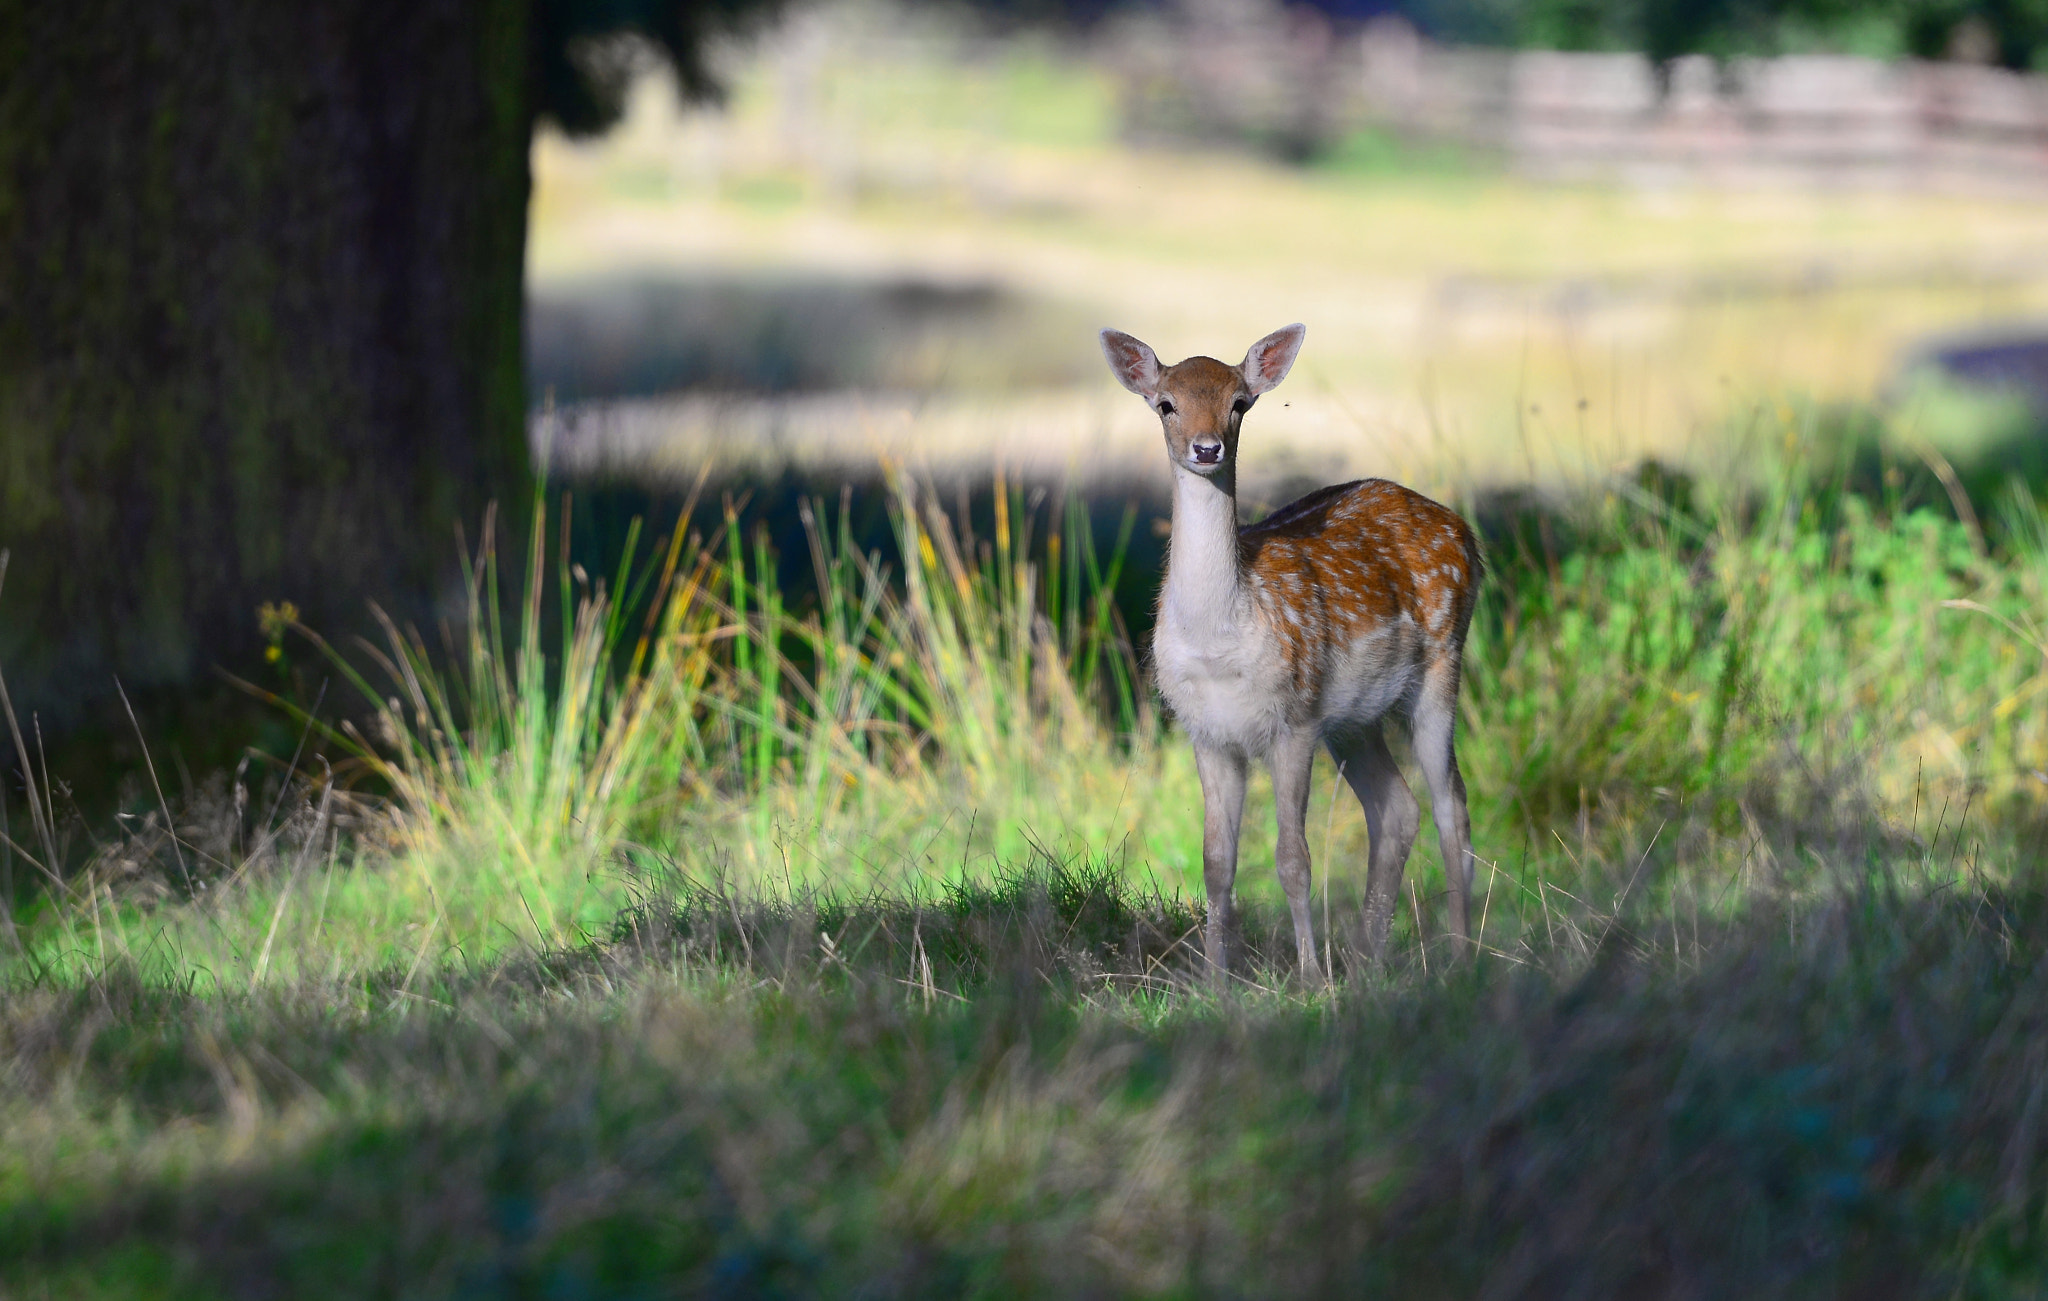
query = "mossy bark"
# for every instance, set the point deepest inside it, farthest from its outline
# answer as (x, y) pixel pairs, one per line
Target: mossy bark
(260, 298)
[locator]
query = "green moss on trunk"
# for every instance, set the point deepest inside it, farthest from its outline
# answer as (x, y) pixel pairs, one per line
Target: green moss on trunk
(260, 286)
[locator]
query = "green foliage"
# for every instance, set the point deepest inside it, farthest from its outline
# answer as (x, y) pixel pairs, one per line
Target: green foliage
(1685, 648)
(587, 52)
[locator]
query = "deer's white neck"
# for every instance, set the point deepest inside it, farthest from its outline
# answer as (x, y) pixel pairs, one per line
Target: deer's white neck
(1204, 578)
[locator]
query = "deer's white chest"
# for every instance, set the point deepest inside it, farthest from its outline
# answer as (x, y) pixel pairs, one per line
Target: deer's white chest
(1226, 688)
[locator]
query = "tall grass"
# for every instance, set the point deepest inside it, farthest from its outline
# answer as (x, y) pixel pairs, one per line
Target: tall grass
(1659, 672)
(1691, 647)
(683, 704)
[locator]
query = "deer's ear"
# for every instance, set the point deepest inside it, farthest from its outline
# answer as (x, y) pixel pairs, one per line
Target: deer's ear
(1272, 357)
(1135, 366)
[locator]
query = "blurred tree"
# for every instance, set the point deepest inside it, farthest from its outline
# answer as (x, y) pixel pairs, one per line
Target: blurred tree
(260, 299)
(2014, 32)
(587, 52)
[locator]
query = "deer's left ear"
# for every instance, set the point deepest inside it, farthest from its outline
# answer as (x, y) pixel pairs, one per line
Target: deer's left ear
(1272, 357)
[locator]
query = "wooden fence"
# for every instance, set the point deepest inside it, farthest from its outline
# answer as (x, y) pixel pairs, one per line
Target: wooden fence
(1808, 120)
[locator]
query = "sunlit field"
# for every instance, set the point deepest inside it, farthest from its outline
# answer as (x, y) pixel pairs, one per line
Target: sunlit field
(805, 908)
(1464, 327)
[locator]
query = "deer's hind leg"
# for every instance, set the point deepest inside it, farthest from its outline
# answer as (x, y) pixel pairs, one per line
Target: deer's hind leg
(1392, 818)
(1434, 723)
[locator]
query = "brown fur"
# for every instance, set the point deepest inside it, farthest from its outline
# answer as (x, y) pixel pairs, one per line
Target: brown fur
(1305, 630)
(1350, 557)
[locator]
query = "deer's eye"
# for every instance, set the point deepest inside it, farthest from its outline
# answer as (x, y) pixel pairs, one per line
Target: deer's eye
(1165, 407)
(1241, 406)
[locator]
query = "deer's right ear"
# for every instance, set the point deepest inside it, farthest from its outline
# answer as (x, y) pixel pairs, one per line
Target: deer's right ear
(1135, 366)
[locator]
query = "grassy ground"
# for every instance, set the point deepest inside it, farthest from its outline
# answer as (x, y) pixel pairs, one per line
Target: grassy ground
(1834, 1095)
(762, 944)
(681, 929)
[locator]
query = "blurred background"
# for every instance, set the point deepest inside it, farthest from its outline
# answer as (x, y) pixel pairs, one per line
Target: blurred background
(1518, 265)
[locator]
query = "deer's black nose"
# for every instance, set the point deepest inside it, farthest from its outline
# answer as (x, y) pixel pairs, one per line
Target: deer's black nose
(1208, 453)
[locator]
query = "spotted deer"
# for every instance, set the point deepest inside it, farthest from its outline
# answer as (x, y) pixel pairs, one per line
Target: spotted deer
(1311, 626)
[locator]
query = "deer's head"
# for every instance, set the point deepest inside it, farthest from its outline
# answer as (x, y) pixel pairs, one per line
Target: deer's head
(1201, 402)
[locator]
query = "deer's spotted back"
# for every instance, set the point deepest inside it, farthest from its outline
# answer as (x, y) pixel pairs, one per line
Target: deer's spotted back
(1359, 561)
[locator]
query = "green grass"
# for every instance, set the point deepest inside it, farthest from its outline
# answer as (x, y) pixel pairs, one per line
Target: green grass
(1834, 1094)
(670, 932)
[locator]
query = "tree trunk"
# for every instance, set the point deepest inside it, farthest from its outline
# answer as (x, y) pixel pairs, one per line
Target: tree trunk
(260, 297)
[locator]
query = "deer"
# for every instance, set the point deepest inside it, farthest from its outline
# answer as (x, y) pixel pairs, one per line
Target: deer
(1308, 628)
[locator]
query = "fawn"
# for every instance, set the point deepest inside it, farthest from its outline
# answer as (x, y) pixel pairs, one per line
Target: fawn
(1310, 626)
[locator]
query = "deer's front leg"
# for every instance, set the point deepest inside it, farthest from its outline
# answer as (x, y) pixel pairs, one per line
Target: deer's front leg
(1222, 772)
(1293, 761)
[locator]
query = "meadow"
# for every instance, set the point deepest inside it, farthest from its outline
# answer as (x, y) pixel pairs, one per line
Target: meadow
(756, 945)
(821, 917)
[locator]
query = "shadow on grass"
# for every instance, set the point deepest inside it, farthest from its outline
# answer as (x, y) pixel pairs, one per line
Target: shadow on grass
(641, 336)
(1837, 1092)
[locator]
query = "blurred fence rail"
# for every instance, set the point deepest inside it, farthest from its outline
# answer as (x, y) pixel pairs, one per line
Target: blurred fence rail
(1810, 120)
